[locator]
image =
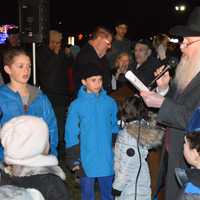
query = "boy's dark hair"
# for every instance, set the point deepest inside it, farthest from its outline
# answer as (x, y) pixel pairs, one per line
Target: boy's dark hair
(11, 53)
(194, 140)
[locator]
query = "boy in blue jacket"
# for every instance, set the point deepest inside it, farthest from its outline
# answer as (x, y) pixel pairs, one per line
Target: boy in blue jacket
(91, 122)
(19, 98)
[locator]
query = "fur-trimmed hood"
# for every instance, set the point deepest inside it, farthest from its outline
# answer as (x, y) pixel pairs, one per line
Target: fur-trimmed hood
(150, 136)
(21, 171)
(137, 118)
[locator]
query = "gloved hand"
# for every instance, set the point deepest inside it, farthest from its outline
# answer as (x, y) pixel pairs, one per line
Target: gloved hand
(78, 170)
(116, 193)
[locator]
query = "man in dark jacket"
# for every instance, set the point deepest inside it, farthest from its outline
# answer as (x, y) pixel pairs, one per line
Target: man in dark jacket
(95, 52)
(51, 67)
(145, 62)
(183, 97)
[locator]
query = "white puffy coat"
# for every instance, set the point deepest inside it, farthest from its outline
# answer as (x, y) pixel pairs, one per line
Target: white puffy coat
(127, 166)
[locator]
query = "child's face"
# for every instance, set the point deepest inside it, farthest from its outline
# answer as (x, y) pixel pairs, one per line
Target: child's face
(93, 84)
(20, 69)
(191, 155)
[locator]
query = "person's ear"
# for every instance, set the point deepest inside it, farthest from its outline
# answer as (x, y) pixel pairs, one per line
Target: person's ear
(7, 69)
(83, 81)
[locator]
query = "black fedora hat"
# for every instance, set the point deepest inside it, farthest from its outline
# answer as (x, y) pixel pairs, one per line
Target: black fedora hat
(192, 28)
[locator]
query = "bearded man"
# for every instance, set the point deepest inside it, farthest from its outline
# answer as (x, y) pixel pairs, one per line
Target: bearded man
(181, 100)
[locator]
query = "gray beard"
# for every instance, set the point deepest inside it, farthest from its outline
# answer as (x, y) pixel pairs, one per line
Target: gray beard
(186, 70)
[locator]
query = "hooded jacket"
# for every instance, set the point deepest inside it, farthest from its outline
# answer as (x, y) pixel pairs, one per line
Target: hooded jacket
(128, 157)
(38, 105)
(91, 121)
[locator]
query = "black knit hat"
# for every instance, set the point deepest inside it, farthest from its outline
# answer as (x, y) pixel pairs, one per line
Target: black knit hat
(90, 69)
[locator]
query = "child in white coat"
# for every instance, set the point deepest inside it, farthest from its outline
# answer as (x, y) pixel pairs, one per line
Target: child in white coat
(138, 135)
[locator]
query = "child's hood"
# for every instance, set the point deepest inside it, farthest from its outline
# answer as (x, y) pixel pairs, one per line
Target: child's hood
(150, 137)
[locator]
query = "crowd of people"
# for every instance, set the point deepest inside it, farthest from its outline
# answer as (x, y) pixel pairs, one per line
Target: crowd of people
(69, 120)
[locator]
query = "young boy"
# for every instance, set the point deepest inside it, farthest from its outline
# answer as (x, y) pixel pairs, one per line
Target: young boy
(91, 121)
(19, 98)
(189, 178)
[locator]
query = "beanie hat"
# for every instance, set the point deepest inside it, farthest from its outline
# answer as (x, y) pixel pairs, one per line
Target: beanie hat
(11, 192)
(91, 69)
(25, 138)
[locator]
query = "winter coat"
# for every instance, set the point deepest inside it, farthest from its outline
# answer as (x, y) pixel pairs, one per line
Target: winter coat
(48, 180)
(38, 105)
(52, 71)
(93, 118)
(127, 159)
(175, 113)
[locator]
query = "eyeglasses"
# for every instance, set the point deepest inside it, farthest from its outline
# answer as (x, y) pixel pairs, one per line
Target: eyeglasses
(186, 45)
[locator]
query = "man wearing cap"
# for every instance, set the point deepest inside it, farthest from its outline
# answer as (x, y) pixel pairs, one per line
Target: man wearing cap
(145, 62)
(180, 101)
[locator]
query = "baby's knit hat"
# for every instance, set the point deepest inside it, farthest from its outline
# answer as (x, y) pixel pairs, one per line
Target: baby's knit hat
(24, 140)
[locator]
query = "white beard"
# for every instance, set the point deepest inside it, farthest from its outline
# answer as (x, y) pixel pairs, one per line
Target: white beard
(186, 70)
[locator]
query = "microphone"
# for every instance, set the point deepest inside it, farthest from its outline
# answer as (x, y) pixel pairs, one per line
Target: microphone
(169, 64)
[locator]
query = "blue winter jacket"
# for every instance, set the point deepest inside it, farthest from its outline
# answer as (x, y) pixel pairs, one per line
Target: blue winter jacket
(11, 106)
(92, 119)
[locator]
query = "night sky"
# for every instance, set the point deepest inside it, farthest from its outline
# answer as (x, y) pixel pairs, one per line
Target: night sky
(145, 17)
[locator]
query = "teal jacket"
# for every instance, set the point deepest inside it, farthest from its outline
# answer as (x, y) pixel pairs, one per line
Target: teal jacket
(11, 106)
(91, 121)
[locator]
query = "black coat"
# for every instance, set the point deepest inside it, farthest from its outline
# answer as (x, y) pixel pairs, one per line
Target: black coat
(51, 186)
(52, 71)
(146, 71)
(175, 113)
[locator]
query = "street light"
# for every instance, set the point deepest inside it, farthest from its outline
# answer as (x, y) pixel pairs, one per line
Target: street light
(181, 7)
